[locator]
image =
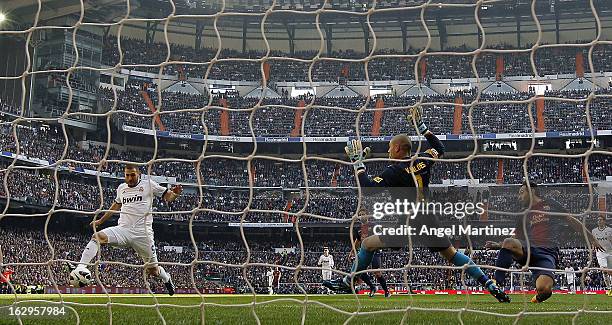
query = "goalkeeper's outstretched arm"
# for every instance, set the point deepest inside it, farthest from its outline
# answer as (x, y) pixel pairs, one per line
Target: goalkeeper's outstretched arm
(388, 178)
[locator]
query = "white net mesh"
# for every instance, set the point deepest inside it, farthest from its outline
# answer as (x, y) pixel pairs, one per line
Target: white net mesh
(212, 64)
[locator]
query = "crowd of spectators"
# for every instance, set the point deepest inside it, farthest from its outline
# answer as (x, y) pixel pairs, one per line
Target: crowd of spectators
(338, 116)
(385, 66)
(279, 188)
(21, 245)
(47, 142)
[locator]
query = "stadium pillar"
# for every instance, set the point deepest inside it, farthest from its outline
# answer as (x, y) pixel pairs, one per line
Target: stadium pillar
(198, 35)
(297, 119)
(287, 209)
(150, 33)
(378, 115)
(442, 32)
(106, 32)
(404, 35)
(147, 99)
(579, 64)
(518, 28)
(500, 171)
(499, 66)
(253, 170)
(334, 181)
(266, 71)
(457, 117)
(423, 68)
(557, 36)
(328, 38)
(366, 37)
(245, 23)
(585, 179)
(224, 118)
(540, 115)
(290, 36)
(601, 201)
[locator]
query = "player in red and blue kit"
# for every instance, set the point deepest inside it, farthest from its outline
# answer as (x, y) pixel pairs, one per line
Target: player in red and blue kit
(544, 221)
(359, 235)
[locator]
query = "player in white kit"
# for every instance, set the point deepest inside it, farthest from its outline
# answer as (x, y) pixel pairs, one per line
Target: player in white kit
(135, 227)
(270, 276)
(603, 234)
(326, 261)
(570, 277)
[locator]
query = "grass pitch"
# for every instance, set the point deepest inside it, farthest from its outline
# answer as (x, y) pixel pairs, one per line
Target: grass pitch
(285, 310)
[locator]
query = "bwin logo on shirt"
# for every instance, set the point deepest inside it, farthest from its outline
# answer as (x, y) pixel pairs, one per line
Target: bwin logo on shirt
(132, 199)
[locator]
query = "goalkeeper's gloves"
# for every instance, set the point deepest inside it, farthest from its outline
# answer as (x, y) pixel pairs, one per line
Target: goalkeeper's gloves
(356, 153)
(416, 113)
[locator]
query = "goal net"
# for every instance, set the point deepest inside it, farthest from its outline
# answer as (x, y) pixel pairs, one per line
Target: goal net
(249, 104)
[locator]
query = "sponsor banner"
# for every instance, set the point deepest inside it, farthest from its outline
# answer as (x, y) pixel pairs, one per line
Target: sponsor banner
(477, 136)
(325, 139)
(467, 136)
(478, 292)
(159, 179)
(284, 250)
(228, 138)
(604, 132)
(261, 224)
(176, 249)
(179, 135)
(134, 129)
(569, 134)
(514, 135)
(133, 290)
(272, 139)
(461, 182)
(95, 173)
(376, 139)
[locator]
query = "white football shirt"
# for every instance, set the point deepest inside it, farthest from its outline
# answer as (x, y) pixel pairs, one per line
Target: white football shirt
(604, 237)
(137, 202)
(327, 262)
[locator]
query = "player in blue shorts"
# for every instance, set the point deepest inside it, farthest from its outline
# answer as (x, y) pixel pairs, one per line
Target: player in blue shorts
(375, 264)
(543, 233)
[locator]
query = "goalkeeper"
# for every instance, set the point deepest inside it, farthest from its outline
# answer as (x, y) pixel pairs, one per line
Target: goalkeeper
(408, 175)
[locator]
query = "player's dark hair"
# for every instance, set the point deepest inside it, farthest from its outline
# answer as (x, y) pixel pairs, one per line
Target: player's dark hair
(131, 166)
(533, 185)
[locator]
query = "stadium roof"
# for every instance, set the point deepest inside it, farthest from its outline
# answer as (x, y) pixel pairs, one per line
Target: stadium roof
(23, 11)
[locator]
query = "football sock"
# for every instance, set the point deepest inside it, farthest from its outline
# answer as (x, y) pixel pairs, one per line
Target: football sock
(367, 279)
(163, 274)
(473, 271)
(89, 253)
(504, 259)
(383, 283)
(363, 259)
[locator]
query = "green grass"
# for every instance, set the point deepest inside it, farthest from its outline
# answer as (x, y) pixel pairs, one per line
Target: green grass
(285, 310)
